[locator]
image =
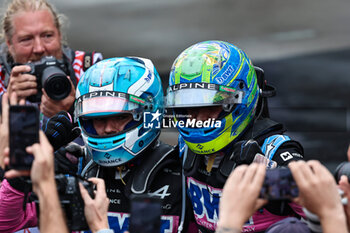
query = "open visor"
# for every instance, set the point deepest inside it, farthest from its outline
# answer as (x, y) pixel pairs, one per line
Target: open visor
(202, 94)
(96, 104)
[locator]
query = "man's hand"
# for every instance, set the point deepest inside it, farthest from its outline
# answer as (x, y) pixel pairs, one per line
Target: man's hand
(240, 195)
(24, 85)
(319, 194)
(42, 171)
(50, 107)
(44, 185)
(4, 126)
(96, 209)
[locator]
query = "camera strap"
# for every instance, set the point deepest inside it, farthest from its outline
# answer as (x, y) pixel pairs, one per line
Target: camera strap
(68, 53)
(68, 58)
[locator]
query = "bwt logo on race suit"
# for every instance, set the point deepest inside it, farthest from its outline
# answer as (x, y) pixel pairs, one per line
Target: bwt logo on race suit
(119, 222)
(205, 202)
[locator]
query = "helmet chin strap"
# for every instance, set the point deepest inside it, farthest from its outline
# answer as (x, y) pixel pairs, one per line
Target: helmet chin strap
(211, 160)
(121, 169)
(210, 163)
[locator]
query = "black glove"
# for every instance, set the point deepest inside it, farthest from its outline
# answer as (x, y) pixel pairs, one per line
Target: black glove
(67, 158)
(244, 151)
(60, 130)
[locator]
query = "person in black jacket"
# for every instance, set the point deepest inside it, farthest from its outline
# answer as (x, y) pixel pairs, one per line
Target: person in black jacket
(119, 108)
(31, 31)
(219, 101)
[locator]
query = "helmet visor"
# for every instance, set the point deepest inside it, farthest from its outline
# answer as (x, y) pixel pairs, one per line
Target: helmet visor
(102, 103)
(202, 94)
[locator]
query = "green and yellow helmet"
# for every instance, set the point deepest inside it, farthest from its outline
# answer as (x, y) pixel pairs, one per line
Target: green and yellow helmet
(213, 73)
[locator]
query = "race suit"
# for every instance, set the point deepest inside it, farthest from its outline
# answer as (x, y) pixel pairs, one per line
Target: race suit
(205, 188)
(159, 175)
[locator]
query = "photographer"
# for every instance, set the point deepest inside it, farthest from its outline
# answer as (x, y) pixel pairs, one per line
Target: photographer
(44, 185)
(32, 31)
(319, 194)
(239, 201)
(215, 82)
(42, 177)
(240, 197)
(96, 209)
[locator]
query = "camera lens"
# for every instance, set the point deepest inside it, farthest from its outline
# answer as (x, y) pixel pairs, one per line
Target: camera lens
(342, 169)
(56, 83)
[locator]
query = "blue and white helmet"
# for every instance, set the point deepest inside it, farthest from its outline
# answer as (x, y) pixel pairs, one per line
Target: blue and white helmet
(117, 86)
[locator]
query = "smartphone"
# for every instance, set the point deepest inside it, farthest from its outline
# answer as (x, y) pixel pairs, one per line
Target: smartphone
(24, 131)
(145, 214)
(279, 185)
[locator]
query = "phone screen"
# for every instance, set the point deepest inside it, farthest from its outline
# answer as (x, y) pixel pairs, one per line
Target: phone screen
(24, 131)
(145, 215)
(279, 185)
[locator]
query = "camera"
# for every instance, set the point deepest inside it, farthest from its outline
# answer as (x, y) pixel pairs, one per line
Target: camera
(51, 74)
(71, 201)
(342, 169)
(279, 185)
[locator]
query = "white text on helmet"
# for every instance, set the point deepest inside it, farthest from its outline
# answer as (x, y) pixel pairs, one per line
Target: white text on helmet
(193, 85)
(102, 94)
